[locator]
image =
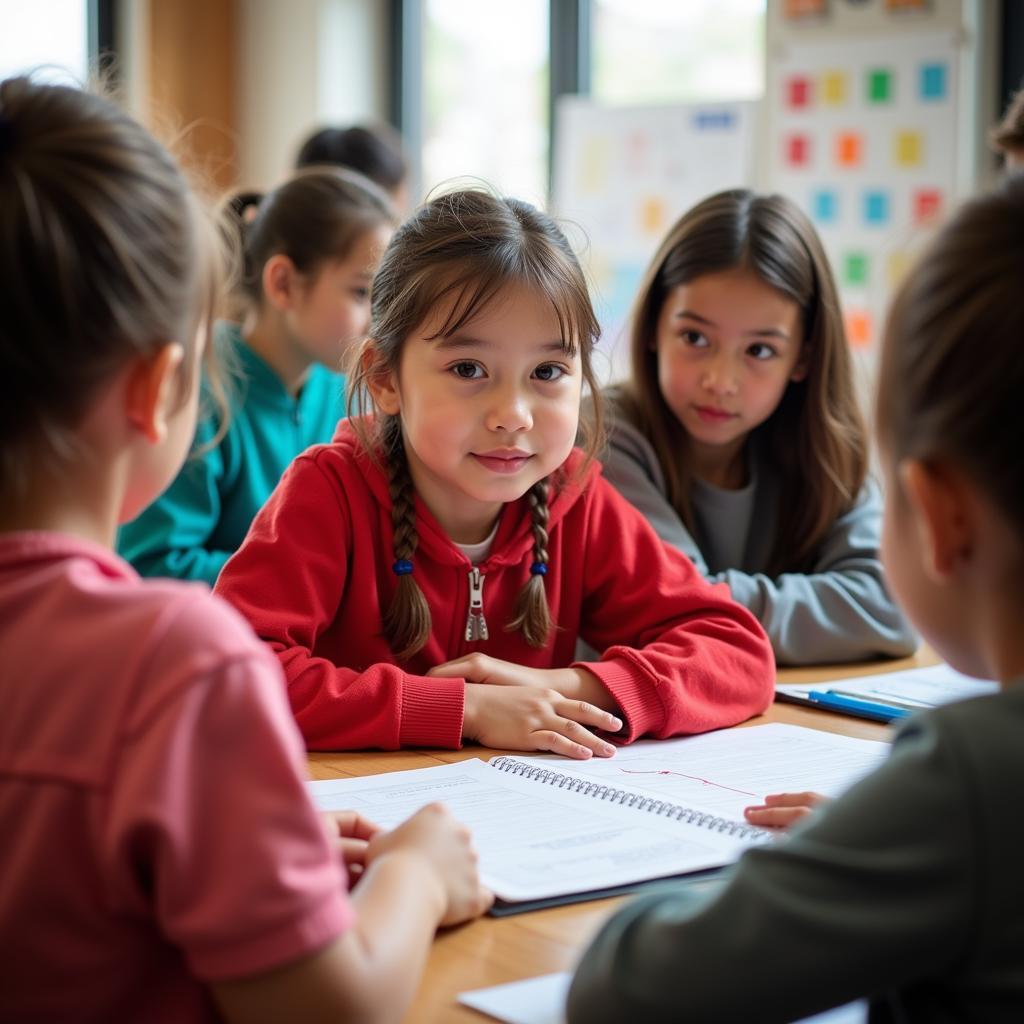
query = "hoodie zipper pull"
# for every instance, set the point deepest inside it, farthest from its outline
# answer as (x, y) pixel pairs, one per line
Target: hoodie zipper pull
(476, 624)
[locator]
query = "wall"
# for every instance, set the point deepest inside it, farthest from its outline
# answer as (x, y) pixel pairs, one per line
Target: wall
(301, 64)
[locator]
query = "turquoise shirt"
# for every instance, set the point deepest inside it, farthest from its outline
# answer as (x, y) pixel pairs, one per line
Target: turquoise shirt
(192, 529)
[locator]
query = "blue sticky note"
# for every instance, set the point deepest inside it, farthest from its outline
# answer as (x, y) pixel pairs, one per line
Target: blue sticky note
(876, 207)
(713, 120)
(825, 206)
(933, 81)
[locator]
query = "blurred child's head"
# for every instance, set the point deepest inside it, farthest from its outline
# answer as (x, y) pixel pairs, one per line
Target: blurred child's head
(950, 428)
(736, 331)
(373, 150)
(310, 254)
(1008, 136)
(111, 267)
(480, 342)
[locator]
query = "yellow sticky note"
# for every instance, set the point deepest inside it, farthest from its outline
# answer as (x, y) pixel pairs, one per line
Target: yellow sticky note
(833, 88)
(594, 165)
(909, 148)
(653, 215)
(897, 265)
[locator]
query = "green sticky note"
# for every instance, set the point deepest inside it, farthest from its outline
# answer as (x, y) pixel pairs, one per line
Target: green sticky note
(856, 268)
(879, 86)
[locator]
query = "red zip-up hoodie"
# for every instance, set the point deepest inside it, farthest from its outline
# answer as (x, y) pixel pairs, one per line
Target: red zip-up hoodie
(314, 574)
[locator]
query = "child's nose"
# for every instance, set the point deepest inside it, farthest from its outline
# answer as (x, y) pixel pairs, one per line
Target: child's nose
(510, 411)
(720, 376)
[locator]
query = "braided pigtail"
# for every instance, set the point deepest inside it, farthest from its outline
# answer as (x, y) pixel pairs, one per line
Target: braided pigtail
(407, 620)
(533, 617)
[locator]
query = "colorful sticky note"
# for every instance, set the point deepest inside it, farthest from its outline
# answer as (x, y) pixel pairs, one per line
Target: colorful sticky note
(855, 268)
(825, 206)
(714, 120)
(908, 148)
(858, 328)
(876, 207)
(897, 265)
(933, 82)
(798, 150)
(798, 92)
(833, 88)
(594, 165)
(927, 205)
(849, 149)
(880, 85)
(653, 215)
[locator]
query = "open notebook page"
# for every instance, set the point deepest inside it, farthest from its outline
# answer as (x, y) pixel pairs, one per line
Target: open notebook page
(537, 841)
(724, 772)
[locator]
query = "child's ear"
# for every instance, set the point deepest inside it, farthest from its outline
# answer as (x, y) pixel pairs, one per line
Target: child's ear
(152, 391)
(940, 503)
(381, 382)
(803, 365)
(280, 282)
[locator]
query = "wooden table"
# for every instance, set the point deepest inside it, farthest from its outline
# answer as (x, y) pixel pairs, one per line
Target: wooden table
(492, 951)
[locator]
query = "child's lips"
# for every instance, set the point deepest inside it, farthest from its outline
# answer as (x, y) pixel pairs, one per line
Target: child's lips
(505, 460)
(712, 414)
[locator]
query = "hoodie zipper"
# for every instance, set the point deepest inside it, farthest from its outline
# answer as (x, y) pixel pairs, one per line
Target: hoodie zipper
(476, 624)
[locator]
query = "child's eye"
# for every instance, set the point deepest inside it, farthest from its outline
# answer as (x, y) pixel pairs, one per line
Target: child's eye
(694, 339)
(467, 370)
(362, 294)
(549, 372)
(761, 351)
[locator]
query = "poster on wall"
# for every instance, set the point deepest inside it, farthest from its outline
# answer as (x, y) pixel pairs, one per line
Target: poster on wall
(864, 139)
(624, 175)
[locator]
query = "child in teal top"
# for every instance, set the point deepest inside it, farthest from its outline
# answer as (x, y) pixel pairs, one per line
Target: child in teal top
(310, 255)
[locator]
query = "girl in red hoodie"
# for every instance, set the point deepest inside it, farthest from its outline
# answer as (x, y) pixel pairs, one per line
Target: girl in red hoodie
(425, 577)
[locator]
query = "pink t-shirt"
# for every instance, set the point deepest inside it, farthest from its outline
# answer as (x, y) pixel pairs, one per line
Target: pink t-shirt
(155, 831)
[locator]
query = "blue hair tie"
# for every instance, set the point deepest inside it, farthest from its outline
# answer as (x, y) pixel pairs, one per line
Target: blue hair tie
(402, 567)
(539, 569)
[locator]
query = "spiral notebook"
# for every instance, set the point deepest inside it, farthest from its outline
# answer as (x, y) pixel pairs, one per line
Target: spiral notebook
(550, 830)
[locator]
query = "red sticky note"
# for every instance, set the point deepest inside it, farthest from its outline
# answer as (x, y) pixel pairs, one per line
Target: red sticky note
(798, 150)
(858, 328)
(798, 91)
(927, 204)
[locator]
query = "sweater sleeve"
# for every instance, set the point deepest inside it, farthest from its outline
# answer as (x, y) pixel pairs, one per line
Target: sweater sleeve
(172, 537)
(679, 655)
(631, 467)
(877, 893)
(841, 611)
(288, 579)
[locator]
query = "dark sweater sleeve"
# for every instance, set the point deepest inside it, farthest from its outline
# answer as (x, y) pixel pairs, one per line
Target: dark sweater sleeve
(874, 895)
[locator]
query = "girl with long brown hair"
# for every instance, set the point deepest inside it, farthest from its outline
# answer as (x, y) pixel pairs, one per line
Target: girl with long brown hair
(309, 255)
(906, 891)
(738, 434)
(424, 578)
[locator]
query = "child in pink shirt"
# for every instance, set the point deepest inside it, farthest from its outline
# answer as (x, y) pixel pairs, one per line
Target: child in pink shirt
(161, 859)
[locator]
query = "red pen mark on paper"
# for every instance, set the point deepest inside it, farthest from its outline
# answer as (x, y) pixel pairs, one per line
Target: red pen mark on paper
(696, 778)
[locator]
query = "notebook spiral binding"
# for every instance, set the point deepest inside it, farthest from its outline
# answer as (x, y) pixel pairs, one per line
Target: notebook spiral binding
(628, 799)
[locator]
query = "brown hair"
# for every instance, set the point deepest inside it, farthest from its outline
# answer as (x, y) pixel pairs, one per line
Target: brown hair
(106, 254)
(463, 249)
(373, 150)
(952, 366)
(1009, 133)
(317, 215)
(815, 438)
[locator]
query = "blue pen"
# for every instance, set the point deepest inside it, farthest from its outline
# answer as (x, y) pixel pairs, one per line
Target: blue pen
(856, 706)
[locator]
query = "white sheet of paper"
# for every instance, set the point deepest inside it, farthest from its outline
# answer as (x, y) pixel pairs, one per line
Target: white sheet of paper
(724, 772)
(542, 1001)
(925, 687)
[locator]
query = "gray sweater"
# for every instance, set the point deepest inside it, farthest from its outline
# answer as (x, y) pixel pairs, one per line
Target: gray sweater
(841, 611)
(907, 890)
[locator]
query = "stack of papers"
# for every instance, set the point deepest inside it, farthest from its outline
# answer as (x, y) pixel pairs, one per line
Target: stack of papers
(889, 696)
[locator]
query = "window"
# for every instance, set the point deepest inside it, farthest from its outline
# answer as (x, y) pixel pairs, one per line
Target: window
(657, 51)
(485, 95)
(52, 36)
